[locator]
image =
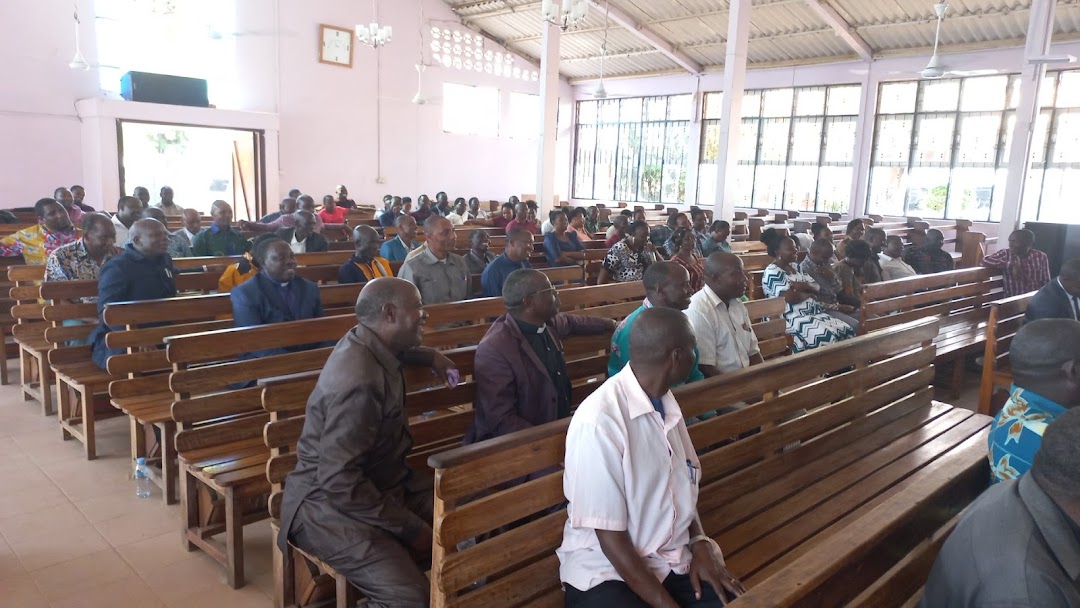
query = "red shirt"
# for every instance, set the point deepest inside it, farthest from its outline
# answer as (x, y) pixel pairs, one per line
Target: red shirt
(615, 238)
(514, 223)
(336, 217)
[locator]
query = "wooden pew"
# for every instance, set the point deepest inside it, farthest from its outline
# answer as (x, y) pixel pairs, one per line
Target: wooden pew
(7, 321)
(29, 332)
(873, 442)
(958, 298)
(1006, 318)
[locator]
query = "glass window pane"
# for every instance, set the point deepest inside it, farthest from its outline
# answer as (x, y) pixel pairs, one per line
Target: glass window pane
(777, 102)
(774, 139)
(971, 194)
(888, 186)
(714, 105)
(1067, 139)
(748, 140)
(652, 161)
(928, 188)
(984, 94)
(744, 185)
(583, 161)
(800, 191)
(706, 191)
(839, 140)
(626, 170)
(609, 110)
(892, 142)
(806, 140)
(810, 101)
(655, 108)
(1058, 202)
(630, 110)
(710, 141)
(470, 110)
(523, 116)
(834, 189)
(935, 139)
(751, 105)
(675, 157)
(1040, 137)
(680, 107)
(769, 186)
(939, 95)
(586, 112)
(607, 146)
(897, 98)
(978, 138)
(844, 101)
(1046, 92)
(1068, 95)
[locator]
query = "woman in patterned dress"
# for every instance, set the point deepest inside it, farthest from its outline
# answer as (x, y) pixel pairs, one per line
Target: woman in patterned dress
(686, 255)
(807, 321)
(628, 259)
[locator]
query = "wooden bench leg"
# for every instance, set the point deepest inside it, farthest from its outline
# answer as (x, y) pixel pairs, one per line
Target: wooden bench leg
(189, 508)
(234, 540)
(26, 373)
(86, 399)
(169, 464)
(138, 440)
(63, 409)
(283, 576)
(344, 593)
(959, 374)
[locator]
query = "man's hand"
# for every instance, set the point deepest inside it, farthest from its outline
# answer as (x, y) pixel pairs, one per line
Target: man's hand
(444, 368)
(708, 566)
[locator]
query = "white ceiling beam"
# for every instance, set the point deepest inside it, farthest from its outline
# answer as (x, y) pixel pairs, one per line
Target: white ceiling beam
(829, 15)
(652, 38)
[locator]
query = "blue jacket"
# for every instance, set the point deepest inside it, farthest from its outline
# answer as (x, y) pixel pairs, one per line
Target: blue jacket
(129, 277)
(496, 272)
(260, 302)
(394, 250)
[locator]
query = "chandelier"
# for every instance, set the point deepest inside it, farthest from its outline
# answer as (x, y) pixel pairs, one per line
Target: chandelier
(373, 34)
(566, 14)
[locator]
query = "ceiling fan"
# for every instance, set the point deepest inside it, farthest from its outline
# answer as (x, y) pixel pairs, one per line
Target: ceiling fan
(935, 69)
(601, 92)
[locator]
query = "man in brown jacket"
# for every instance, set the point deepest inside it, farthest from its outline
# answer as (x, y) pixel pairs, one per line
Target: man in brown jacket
(352, 501)
(520, 370)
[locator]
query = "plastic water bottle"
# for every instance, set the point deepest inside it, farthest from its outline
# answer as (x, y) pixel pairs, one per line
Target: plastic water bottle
(142, 478)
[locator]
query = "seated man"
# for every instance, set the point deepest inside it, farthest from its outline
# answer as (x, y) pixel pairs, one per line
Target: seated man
(1058, 299)
(178, 245)
(78, 194)
(388, 217)
(716, 239)
(365, 265)
(667, 285)
(221, 239)
(519, 244)
(352, 501)
(83, 259)
(167, 204)
(397, 248)
(1023, 268)
(625, 543)
(475, 212)
(128, 210)
(440, 274)
(1045, 360)
(192, 225)
(520, 371)
(1018, 543)
(143, 271)
(819, 265)
(855, 231)
(343, 199)
(332, 212)
(302, 237)
(930, 258)
(34, 244)
(275, 294)
(522, 219)
(875, 238)
(67, 201)
(459, 214)
(726, 341)
(478, 257)
(288, 206)
(892, 261)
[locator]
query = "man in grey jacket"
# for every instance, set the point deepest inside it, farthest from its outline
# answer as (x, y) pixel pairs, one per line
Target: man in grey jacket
(352, 501)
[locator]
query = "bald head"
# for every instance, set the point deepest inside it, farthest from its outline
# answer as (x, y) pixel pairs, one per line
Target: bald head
(1045, 359)
(368, 242)
(155, 213)
(379, 294)
(724, 275)
(662, 343)
(1057, 463)
(149, 237)
(391, 309)
(667, 284)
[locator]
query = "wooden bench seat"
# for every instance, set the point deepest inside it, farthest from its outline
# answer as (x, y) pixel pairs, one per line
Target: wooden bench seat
(1005, 319)
(872, 441)
(958, 299)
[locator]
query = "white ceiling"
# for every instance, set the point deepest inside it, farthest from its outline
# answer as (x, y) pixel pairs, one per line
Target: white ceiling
(783, 32)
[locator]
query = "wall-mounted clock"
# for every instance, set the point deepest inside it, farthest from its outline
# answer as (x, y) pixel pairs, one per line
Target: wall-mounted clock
(336, 46)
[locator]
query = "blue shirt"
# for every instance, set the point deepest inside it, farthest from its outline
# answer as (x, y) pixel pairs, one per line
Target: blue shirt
(395, 250)
(709, 246)
(1017, 432)
(496, 272)
(554, 248)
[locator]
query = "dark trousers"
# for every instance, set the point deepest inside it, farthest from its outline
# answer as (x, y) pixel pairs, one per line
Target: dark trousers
(377, 564)
(617, 594)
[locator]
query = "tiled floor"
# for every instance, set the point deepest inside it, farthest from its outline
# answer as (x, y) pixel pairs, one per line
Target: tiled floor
(74, 535)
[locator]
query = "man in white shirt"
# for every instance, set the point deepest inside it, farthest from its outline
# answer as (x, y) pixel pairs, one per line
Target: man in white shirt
(892, 264)
(128, 211)
(459, 215)
(633, 536)
(725, 339)
(192, 225)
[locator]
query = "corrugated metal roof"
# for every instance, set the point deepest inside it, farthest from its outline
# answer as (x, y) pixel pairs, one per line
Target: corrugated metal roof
(782, 31)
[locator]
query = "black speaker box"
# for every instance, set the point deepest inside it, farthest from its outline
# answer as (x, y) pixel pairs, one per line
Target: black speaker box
(162, 88)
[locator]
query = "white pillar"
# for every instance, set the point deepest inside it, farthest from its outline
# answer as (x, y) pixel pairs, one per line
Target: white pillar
(693, 152)
(738, 40)
(864, 145)
(549, 103)
(1040, 29)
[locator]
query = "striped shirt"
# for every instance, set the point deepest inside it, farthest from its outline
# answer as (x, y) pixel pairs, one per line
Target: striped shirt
(1022, 274)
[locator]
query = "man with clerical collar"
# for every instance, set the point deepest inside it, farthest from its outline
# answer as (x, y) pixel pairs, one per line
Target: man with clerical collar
(221, 239)
(440, 274)
(520, 370)
(365, 265)
(143, 271)
(515, 256)
(1019, 543)
(53, 230)
(1045, 360)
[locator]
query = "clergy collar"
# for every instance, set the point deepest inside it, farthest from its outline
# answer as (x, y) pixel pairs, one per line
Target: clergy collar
(529, 328)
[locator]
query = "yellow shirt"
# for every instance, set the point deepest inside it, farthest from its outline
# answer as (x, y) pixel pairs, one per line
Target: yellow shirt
(233, 277)
(36, 243)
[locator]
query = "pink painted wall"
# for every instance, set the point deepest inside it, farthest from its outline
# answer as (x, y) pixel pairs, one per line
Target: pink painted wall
(330, 116)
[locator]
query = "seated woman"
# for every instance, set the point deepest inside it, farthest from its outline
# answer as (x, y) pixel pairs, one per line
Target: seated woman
(854, 232)
(562, 246)
(627, 260)
(687, 256)
(850, 272)
(807, 321)
(577, 225)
